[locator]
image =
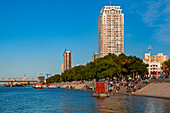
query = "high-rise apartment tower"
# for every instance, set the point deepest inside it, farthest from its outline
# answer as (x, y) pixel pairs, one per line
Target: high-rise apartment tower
(110, 31)
(67, 60)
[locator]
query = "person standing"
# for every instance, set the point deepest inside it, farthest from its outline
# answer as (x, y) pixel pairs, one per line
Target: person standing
(146, 80)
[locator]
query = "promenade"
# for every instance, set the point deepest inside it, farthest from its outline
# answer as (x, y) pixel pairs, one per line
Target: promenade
(158, 88)
(154, 88)
(75, 85)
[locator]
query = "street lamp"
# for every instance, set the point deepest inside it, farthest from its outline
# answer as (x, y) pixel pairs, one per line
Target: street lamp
(149, 49)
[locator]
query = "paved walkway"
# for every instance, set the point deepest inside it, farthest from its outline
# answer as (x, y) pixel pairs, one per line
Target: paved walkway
(159, 88)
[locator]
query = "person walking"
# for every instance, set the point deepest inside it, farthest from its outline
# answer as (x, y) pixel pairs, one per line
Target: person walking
(146, 80)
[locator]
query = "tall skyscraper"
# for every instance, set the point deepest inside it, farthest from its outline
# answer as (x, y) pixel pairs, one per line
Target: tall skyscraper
(67, 60)
(110, 31)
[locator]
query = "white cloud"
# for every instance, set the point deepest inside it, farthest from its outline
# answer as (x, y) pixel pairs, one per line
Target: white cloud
(156, 13)
(128, 35)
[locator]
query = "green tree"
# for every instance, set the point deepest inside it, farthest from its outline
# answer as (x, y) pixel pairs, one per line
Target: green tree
(108, 66)
(166, 65)
(55, 78)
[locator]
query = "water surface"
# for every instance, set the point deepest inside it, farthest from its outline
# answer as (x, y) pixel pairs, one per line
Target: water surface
(30, 100)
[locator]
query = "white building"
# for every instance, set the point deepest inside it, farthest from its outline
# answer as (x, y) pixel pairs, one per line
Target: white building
(155, 68)
(155, 62)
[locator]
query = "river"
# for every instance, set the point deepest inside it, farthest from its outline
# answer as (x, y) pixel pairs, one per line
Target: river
(30, 100)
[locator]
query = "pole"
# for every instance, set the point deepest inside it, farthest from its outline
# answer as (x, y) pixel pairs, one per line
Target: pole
(149, 62)
(149, 48)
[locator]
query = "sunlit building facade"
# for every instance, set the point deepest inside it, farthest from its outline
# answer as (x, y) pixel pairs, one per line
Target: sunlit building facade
(67, 60)
(155, 62)
(62, 68)
(110, 31)
(160, 57)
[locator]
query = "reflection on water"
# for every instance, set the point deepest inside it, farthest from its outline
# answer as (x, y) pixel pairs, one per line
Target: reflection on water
(113, 103)
(27, 99)
(124, 103)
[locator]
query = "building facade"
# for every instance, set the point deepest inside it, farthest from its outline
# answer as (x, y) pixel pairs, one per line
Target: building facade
(62, 69)
(67, 60)
(41, 79)
(155, 62)
(95, 56)
(160, 57)
(110, 31)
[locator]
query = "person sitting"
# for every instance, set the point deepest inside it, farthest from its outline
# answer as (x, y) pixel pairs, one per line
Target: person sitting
(139, 87)
(131, 85)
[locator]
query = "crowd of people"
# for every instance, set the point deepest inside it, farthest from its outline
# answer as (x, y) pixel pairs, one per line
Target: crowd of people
(128, 84)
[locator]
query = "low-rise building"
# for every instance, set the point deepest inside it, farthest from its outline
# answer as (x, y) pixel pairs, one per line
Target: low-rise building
(155, 62)
(41, 79)
(95, 56)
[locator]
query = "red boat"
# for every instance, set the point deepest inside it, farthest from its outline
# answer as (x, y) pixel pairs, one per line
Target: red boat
(38, 86)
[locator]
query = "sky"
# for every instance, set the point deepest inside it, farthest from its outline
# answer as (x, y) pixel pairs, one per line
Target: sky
(35, 33)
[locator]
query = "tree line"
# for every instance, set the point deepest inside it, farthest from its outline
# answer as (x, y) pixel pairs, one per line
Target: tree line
(166, 65)
(108, 66)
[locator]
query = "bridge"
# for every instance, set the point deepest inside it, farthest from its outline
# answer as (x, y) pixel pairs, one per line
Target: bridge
(24, 80)
(15, 82)
(18, 81)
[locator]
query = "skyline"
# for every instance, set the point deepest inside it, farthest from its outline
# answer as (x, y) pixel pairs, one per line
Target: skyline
(34, 34)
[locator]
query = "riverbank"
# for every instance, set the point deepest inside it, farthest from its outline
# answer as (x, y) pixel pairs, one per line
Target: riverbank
(158, 89)
(155, 88)
(74, 85)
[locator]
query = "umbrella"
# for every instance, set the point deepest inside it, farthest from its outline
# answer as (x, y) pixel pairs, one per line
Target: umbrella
(128, 75)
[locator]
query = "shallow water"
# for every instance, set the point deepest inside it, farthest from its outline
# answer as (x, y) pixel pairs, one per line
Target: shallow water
(30, 100)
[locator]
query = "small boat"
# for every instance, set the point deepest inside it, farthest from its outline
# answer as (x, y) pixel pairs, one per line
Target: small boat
(52, 87)
(100, 90)
(100, 95)
(38, 86)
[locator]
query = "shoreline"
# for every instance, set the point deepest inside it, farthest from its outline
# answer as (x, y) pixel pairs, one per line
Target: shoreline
(152, 96)
(157, 89)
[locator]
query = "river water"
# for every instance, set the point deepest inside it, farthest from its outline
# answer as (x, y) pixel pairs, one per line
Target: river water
(30, 100)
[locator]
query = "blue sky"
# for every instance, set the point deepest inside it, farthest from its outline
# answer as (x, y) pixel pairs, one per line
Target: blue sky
(35, 33)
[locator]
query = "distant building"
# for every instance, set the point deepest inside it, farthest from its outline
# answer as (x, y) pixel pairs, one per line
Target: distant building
(67, 60)
(155, 62)
(41, 79)
(24, 79)
(95, 56)
(156, 58)
(10, 79)
(62, 69)
(110, 31)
